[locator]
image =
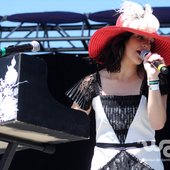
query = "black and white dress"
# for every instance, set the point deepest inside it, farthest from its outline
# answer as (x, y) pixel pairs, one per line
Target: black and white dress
(124, 138)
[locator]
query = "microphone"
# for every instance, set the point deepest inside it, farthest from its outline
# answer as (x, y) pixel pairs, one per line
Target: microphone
(157, 64)
(33, 46)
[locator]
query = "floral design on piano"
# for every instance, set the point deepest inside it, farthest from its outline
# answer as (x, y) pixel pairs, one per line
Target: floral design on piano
(9, 93)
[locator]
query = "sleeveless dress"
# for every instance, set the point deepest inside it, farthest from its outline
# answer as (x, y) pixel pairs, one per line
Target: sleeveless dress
(124, 138)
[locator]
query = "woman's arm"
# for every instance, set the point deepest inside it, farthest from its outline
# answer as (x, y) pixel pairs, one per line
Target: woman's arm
(157, 103)
(157, 109)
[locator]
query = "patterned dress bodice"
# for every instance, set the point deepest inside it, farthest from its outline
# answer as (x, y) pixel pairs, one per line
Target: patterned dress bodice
(120, 111)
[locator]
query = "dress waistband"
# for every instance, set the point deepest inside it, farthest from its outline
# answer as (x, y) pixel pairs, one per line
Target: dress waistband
(125, 145)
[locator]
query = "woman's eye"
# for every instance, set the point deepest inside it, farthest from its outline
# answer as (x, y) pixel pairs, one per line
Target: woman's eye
(140, 37)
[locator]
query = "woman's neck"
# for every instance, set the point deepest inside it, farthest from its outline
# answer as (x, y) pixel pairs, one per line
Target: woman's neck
(124, 74)
(122, 83)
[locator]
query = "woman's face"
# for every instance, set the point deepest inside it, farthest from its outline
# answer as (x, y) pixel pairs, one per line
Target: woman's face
(135, 45)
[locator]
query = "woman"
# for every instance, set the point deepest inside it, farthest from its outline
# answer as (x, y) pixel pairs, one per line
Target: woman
(128, 94)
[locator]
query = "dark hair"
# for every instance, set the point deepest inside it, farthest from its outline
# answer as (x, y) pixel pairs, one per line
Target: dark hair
(112, 54)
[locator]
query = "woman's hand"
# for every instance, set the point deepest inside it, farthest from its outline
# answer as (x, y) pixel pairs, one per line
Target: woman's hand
(152, 72)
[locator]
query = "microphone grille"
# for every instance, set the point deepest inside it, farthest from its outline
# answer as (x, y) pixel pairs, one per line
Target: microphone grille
(35, 45)
(144, 53)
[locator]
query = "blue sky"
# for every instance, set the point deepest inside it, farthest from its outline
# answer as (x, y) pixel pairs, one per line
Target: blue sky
(10, 7)
(82, 6)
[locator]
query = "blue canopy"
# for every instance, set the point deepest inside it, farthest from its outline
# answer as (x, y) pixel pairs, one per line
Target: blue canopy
(62, 17)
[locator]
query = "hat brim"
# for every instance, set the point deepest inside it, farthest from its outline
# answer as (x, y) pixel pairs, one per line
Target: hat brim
(104, 35)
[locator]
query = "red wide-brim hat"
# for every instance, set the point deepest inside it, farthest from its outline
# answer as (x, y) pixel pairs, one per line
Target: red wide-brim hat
(103, 36)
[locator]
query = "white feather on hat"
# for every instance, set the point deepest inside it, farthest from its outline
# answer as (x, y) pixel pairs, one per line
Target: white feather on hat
(135, 16)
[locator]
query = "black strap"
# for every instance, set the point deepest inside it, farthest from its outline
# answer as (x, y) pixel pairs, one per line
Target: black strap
(125, 145)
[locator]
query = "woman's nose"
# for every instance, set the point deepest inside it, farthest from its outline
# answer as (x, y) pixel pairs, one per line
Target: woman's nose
(146, 44)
